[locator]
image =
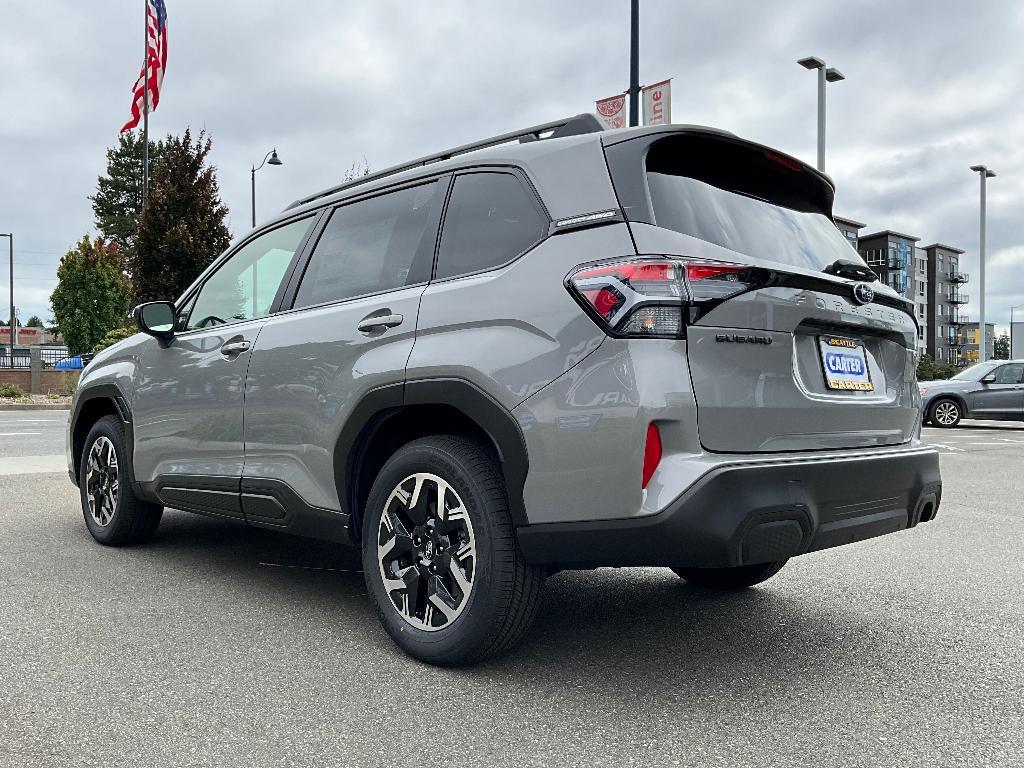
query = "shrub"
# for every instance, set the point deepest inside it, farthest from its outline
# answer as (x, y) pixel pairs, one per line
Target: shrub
(930, 370)
(112, 337)
(11, 390)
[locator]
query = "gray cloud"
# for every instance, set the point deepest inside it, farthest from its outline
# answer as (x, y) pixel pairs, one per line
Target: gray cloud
(932, 88)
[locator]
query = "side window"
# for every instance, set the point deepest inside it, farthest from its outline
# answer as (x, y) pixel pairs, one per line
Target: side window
(491, 219)
(244, 286)
(373, 245)
(1009, 374)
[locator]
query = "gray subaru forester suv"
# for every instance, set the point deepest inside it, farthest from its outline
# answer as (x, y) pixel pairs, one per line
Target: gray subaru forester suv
(557, 348)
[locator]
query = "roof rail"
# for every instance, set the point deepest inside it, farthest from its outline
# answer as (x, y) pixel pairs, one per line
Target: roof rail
(569, 126)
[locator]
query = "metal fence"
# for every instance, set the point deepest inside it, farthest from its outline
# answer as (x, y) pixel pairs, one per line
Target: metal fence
(51, 355)
(23, 356)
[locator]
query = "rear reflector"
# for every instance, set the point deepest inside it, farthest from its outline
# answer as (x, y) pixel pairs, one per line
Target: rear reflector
(652, 453)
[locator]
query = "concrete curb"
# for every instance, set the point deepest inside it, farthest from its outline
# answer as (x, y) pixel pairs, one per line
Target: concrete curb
(34, 407)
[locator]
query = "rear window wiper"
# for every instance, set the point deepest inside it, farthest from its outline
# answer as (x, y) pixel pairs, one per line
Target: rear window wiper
(851, 270)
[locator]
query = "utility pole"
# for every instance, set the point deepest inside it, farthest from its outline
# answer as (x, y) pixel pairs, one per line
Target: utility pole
(984, 173)
(634, 63)
(10, 245)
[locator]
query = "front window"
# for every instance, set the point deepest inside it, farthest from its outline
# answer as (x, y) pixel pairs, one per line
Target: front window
(976, 372)
(244, 286)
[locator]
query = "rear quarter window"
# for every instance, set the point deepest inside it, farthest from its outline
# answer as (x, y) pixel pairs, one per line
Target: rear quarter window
(491, 219)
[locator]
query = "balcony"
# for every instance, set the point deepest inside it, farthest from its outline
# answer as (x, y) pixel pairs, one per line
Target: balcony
(958, 277)
(958, 319)
(956, 297)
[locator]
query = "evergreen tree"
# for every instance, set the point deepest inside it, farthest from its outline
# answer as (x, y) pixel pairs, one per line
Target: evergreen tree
(118, 198)
(1001, 349)
(182, 228)
(92, 293)
(34, 322)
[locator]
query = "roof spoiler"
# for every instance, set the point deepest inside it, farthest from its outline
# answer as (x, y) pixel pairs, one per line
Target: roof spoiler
(569, 126)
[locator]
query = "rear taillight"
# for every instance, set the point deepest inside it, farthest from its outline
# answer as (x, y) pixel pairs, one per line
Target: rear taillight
(655, 297)
(652, 453)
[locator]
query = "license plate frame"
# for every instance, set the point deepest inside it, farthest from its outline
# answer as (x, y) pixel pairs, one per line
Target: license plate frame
(844, 363)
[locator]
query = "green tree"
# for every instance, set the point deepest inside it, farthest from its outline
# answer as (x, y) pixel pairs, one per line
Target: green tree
(92, 293)
(34, 322)
(118, 198)
(182, 228)
(1001, 350)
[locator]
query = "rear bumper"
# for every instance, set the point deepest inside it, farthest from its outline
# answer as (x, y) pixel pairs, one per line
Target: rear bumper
(739, 514)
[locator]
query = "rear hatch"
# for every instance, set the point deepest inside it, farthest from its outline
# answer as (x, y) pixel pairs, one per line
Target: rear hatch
(784, 354)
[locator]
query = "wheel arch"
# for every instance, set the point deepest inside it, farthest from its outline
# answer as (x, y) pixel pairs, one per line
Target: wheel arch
(388, 417)
(91, 405)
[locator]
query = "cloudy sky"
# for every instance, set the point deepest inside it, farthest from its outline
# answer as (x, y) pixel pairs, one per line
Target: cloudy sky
(933, 87)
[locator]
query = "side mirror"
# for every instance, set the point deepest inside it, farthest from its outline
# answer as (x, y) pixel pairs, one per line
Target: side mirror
(156, 318)
(990, 379)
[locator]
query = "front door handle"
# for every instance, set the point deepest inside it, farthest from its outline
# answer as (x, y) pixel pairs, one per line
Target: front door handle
(235, 348)
(373, 322)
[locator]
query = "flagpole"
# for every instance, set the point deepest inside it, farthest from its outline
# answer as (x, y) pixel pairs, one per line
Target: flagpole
(145, 102)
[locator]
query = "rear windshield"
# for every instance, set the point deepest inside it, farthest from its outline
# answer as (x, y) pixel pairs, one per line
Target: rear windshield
(745, 199)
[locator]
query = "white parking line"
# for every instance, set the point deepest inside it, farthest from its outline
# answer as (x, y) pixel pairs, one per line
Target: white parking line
(15, 434)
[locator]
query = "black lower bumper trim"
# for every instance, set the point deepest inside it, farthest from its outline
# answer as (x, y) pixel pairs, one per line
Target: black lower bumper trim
(753, 513)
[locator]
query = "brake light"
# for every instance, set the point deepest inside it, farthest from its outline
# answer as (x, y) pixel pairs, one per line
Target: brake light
(652, 453)
(646, 297)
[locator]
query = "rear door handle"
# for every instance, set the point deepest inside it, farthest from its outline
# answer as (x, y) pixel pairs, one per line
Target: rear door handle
(372, 322)
(235, 348)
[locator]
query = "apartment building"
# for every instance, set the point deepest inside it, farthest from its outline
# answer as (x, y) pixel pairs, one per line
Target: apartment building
(969, 335)
(946, 297)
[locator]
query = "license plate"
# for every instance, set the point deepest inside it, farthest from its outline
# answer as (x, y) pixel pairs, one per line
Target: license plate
(845, 364)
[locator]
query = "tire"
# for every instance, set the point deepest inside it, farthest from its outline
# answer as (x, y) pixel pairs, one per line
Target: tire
(442, 617)
(740, 577)
(128, 519)
(945, 413)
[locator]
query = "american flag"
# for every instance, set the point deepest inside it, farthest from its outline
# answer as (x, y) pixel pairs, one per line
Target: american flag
(152, 74)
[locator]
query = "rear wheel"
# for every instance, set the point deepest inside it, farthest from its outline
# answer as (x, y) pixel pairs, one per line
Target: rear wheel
(740, 577)
(440, 556)
(113, 513)
(945, 412)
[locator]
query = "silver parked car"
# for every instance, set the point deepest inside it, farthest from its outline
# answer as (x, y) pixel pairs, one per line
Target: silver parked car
(990, 390)
(557, 348)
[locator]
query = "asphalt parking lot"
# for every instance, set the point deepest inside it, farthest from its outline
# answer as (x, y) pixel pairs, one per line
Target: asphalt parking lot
(217, 645)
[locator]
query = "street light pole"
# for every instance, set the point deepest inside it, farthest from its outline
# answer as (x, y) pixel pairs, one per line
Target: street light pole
(825, 74)
(634, 63)
(10, 319)
(985, 174)
(270, 158)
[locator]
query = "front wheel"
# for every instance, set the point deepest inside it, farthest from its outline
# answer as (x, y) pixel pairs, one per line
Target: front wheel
(440, 557)
(945, 413)
(113, 513)
(740, 577)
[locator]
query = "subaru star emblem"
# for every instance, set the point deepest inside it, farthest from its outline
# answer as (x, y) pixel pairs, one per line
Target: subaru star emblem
(863, 293)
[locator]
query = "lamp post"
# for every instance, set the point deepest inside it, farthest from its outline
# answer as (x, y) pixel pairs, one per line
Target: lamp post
(985, 174)
(825, 74)
(634, 63)
(10, 319)
(271, 158)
